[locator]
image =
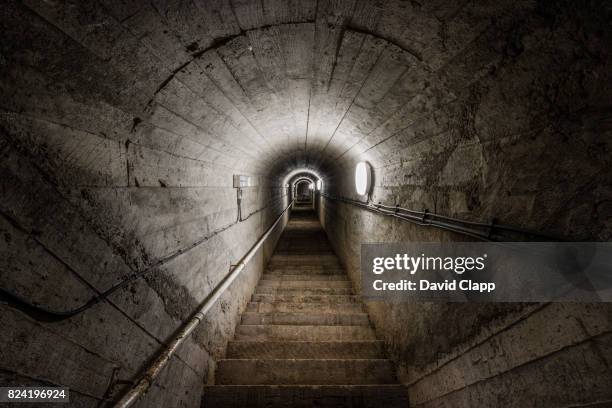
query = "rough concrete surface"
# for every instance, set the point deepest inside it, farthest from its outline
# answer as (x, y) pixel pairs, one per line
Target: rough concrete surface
(122, 124)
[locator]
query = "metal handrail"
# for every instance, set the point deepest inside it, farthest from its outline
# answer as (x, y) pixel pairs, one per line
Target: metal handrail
(163, 358)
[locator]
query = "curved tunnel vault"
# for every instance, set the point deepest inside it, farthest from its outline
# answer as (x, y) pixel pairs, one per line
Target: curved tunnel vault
(122, 124)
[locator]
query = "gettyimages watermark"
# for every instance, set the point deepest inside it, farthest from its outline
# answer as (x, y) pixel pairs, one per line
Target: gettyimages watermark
(487, 272)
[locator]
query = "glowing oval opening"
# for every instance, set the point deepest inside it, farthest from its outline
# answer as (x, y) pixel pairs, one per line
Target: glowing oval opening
(362, 178)
(318, 184)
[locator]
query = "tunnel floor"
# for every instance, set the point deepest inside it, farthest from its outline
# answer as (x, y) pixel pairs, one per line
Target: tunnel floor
(305, 339)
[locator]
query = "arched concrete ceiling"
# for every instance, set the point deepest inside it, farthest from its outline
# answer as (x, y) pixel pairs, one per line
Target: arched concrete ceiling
(265, 85)
(303, 176)
(433, 94)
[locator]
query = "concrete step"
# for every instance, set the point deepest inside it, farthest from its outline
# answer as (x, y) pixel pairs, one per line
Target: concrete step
(305, 267)
(304, 372)
(305, 263)
(305, 396)
(301, 247)
(312, 259)
(278, 277)
(305, 349)
(326, 319)
(283, 332)
(303, 270)
(310, 307)
(304, 259)
(303, 284)
(329, 299)
(271, 290)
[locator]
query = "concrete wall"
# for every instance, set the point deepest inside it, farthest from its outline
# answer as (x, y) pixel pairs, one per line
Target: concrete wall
(69, 232)
(515, 355)
(525, 142)
(94, 188)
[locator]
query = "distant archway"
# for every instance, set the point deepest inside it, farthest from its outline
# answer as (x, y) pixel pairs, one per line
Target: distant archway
(303, 190)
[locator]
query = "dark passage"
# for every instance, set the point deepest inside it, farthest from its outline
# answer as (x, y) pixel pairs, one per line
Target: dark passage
(305, 339)
(152, 153)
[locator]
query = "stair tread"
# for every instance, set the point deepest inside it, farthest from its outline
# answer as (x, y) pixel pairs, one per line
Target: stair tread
(303, 291)
(346, 307)
(306, 304)
(304, 283)
(245, 349)
(305, 371)
(312, 386)
(331, 313)
(301, 360)
(306, 332)
(321, 273)
(322, 298)
(278, 277)
(306, 396)
(307, 341)
(301, 318)
(297, 325)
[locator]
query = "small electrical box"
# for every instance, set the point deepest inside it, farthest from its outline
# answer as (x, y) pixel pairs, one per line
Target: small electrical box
(242, 181)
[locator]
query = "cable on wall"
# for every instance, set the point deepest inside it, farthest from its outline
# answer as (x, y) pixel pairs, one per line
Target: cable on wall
(491, 231)
(42, 313)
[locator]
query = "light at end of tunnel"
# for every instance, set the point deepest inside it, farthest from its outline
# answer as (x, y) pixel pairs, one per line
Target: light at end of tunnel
(363, 178)
(318, 185)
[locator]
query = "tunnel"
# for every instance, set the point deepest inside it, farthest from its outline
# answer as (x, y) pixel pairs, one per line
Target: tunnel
(187, 189)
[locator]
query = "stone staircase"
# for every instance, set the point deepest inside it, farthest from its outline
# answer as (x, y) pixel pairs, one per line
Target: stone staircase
(305, 340)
